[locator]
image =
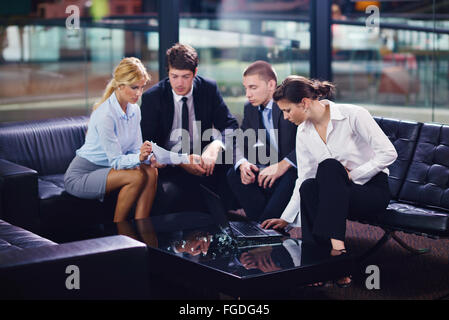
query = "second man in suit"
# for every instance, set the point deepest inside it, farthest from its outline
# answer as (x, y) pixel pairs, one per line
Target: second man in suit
(186, 102)
(263, 188)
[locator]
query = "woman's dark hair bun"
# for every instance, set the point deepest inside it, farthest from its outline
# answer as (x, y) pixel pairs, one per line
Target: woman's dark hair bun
(295, 88)
(323, 89)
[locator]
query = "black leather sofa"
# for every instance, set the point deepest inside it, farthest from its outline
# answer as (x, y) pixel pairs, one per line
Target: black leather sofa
(419, 182)
(32, 267)
(33, 158)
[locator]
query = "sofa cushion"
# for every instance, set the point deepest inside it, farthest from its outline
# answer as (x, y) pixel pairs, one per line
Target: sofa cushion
(57, 207)
(403, 135)
(47, 146)
(15, 238)
(51, 186)
(410, 218)
(427, 180)
(65, 210)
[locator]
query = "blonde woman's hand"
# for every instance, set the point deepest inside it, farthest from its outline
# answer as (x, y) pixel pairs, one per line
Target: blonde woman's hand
(145, 150)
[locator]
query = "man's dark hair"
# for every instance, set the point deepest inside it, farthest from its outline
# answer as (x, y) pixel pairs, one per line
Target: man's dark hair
(182, 57)
(263, 69)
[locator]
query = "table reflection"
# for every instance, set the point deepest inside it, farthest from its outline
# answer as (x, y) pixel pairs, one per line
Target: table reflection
(141, 230)
(198, 242)
(210, 246)
(259, 259)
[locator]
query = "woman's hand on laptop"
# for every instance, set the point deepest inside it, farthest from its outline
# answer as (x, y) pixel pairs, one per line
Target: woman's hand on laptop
(274, 224)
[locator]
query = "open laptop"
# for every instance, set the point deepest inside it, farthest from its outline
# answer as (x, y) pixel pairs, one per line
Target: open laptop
(239, 230)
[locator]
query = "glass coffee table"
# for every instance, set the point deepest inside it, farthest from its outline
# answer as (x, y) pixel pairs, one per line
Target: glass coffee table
(188, 249)
(189, 253)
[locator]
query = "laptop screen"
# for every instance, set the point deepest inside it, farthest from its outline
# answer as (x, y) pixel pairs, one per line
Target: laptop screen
(215, 207)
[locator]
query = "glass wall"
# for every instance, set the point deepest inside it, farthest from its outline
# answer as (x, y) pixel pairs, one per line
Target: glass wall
(393, 57)
(229, 35)
(50, 70)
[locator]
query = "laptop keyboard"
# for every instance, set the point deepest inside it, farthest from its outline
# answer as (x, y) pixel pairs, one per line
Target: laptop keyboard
(246, 229)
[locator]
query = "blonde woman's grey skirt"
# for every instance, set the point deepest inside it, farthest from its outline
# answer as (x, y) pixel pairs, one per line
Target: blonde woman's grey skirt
(84, 179)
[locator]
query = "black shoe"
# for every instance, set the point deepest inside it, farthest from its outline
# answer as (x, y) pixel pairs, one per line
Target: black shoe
(344, 284)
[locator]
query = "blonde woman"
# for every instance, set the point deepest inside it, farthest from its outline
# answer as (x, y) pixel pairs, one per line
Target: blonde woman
(113, 154)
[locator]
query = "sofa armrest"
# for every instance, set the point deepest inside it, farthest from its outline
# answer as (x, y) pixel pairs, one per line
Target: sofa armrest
(114, 267)
(19, 195)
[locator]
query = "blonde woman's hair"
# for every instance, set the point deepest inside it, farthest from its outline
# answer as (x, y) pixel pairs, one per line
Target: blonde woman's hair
(128, 71)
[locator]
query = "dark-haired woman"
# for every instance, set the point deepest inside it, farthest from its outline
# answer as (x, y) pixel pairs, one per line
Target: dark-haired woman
(342, 157)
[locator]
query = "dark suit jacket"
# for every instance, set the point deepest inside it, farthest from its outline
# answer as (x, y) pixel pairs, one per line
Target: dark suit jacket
(158, 110)
(286, 132)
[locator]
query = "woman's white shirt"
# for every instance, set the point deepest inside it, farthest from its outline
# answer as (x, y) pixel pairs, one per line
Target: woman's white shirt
(353, 138)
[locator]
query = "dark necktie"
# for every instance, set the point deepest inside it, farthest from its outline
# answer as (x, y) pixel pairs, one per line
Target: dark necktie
(185, 124)
(262, 126)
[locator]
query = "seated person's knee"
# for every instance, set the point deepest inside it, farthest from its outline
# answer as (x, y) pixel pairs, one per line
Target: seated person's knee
(139, 177)
(152, 173)
(330, 164)
(307, 187)
(232, 175)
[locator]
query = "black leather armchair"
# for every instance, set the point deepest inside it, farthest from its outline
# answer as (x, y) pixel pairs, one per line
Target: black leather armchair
(32, 267)
(419, 182)
(424, 196)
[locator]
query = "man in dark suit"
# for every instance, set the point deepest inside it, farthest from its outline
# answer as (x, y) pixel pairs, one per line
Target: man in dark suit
(178, 113)
(263, 189)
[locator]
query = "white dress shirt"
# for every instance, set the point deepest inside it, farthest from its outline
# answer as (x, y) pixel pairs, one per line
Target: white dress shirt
(175, 139)
(267, 118)
(353, 138)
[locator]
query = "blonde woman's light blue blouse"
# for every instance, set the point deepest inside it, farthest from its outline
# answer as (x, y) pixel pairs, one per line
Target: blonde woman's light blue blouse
(113, 137)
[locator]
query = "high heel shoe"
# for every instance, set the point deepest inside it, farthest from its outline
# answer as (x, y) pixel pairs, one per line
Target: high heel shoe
(338, 282)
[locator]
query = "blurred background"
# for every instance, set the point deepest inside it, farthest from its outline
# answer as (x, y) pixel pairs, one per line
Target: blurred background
(393, 61)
